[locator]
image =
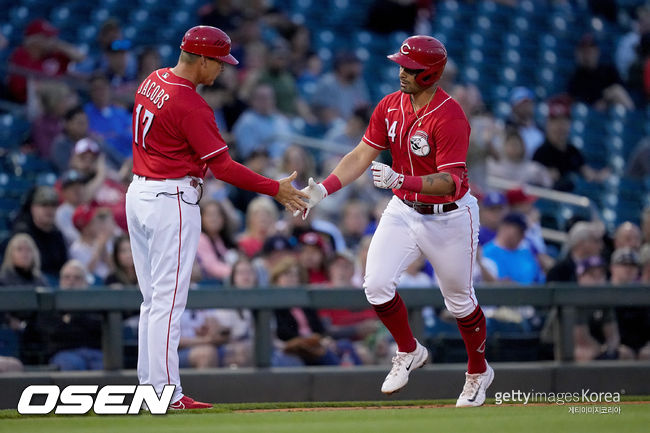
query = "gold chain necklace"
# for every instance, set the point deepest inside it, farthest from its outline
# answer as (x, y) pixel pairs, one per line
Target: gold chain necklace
(419, 118)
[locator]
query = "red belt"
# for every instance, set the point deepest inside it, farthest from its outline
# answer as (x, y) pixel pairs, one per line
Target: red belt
(430, 208)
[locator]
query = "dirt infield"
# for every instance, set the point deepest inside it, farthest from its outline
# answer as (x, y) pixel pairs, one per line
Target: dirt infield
(424, 406)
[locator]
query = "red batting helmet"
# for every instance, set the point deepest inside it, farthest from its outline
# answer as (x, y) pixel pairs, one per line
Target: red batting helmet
(422, 52)
(210, 42)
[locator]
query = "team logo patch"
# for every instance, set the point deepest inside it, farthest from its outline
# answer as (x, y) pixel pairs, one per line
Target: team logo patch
(420, 143)
(165, 75)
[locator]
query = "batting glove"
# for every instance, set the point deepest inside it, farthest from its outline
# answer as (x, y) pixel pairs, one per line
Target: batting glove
(385, 177)
(317, 192)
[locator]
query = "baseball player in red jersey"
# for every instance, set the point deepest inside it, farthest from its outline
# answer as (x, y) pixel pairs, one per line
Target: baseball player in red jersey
(432, 211)
(175, 140)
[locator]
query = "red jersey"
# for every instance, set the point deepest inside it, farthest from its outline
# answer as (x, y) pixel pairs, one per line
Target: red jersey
(53, 64)
(174, 130)
(433, 140)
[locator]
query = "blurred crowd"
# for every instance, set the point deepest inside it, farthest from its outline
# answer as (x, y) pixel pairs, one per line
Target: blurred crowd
(71, 234)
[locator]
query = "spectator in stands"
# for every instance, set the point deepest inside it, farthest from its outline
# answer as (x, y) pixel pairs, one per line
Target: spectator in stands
(9, 364)
(297, 159)
(102, 186)
(38, 221)
(223, 14)
(261, 216)
(645, 225)
(344, 89)
(238, 350)
(261, 127)
(628, 235)
(72, 195)
(349, 134)
(122, 79)
(513, 165)
(638, 77)
(361, 259)
(522, 119)
(109, 121)
(354, 221)
(626, 50)
(55, 99)
(275, 249)
(97, 60)
(95, 244)
(523, 203)
(201, 335)
(69, 340)
(633, 321)
(560, 156)
(308, 75)
(644, 259)
(41, 55)
(593, 82)
(299, 330)
(605, 341)
(414, 276)
(493, 207)
(21, 265)
(75, 127)
(356, 325)
(514, 262)
(149, 60)
(123, 273)
(638, 164)
(278, 76)
(585, 239)
(313, 254)
(217, 249)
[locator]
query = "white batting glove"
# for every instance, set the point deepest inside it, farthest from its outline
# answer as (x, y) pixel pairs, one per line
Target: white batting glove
(317, 192)
(385, 177)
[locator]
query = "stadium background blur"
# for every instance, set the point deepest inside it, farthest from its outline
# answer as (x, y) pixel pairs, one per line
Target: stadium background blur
(310, 73)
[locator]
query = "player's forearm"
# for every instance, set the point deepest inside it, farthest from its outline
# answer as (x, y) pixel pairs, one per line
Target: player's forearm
(240, 176)
(354, 164)
(431, 184)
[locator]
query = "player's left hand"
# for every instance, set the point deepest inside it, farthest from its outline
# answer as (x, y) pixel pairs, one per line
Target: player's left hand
(290, 197)
(385, 177)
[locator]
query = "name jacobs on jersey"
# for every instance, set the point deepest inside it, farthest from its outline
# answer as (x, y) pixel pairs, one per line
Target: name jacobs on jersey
(152, 90)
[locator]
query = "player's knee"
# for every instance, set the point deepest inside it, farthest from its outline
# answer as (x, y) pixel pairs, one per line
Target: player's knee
(378, 292)
(460, 308)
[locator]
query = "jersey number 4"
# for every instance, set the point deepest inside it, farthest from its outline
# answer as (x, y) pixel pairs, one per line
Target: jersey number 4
(391, 130)
(145, 122)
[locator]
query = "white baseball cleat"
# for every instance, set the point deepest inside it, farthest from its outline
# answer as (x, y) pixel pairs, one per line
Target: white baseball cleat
(476, 385)
(403, 364)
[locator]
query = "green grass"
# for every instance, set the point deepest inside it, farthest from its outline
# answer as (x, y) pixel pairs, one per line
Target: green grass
(224, 418)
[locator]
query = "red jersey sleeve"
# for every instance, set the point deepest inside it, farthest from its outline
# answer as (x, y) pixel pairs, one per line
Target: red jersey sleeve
(377, 132)
(202, 133)
(452, 141)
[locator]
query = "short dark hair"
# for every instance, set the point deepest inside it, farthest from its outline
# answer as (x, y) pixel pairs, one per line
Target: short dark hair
(71, 113)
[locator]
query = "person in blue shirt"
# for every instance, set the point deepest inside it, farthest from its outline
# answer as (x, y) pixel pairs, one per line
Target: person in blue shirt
(109, 121)
(514, 261)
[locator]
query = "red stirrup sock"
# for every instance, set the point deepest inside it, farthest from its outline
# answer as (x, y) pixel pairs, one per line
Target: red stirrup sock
(472, 328)
(393, 314)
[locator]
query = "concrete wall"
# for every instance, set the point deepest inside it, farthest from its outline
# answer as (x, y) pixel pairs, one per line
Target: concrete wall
(342, 384)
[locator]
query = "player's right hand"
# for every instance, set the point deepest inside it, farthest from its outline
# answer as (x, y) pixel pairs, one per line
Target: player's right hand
(290, 197)
(316, 192)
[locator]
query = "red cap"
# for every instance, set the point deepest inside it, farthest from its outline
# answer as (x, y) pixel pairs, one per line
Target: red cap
(559, 106)
(312, 238)
(83, 215)
(41, 27)
(518, 196)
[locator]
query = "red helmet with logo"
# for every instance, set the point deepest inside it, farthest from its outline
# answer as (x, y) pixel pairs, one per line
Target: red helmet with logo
(422, 52)
(210, 42)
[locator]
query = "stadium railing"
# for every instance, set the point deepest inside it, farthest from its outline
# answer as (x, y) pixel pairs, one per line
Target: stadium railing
(566, 298)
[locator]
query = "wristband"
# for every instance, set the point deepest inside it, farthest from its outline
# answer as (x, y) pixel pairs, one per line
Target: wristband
(332, 184)
(412, 183)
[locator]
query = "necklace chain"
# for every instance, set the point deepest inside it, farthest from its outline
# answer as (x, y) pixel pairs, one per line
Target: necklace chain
(419, 118)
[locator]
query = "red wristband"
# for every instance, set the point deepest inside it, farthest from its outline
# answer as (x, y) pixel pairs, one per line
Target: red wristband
(412, 183)
(332, 184)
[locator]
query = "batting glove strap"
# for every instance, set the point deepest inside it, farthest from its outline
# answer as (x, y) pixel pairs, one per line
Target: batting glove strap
(385, 177)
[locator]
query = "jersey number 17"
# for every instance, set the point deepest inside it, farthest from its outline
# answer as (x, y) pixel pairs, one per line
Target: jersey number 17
(145, 122)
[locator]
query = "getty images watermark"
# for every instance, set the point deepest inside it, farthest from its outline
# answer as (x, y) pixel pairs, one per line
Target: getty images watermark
(585, 401)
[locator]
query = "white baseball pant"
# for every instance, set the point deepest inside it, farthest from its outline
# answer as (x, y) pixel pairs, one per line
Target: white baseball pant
(449, 240)
(164, 232)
